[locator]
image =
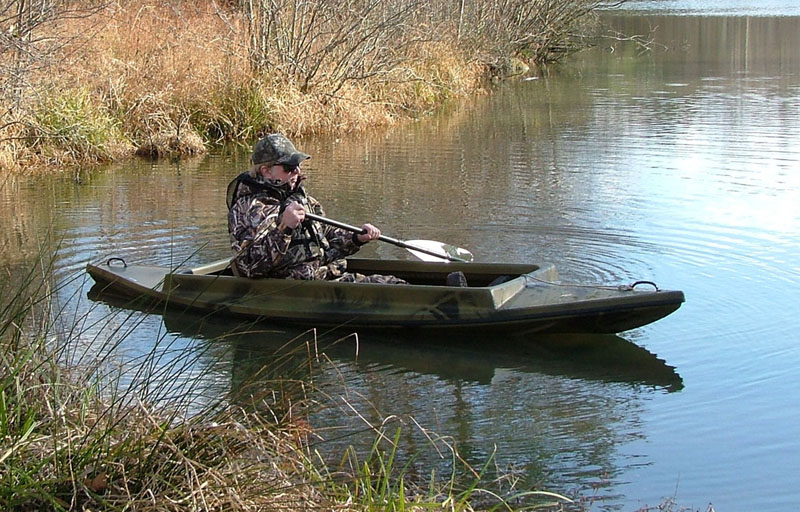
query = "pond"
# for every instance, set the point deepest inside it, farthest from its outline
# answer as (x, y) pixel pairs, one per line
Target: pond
(675, 159)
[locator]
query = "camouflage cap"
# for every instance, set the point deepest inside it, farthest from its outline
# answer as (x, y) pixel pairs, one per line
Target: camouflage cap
(277, 148)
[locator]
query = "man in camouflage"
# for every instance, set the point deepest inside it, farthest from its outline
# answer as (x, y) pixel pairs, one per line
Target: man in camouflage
(270, 235)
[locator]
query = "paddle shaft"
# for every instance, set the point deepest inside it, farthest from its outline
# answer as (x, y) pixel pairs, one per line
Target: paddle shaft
(382, 238)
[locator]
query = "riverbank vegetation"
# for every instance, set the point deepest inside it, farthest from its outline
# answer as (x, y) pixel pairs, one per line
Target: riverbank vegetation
(91, 422)
(85, 81)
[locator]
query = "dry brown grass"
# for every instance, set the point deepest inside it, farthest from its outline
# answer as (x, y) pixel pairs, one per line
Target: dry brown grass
(166, 80)
(161, 79)
(153, 66)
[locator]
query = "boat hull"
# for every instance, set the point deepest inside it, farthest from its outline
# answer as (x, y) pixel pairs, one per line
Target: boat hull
(501, 297)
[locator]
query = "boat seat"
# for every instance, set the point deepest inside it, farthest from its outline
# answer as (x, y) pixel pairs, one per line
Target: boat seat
(499, 280)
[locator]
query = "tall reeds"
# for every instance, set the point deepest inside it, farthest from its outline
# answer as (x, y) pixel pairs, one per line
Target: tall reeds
(89, 421)
(82, 427)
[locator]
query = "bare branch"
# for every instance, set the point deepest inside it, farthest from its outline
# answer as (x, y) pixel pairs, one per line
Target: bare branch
(26, 41)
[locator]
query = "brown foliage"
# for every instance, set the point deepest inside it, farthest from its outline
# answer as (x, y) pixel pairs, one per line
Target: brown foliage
(170, 78)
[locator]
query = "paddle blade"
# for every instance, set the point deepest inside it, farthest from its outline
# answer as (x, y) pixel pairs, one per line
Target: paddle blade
(446, 251)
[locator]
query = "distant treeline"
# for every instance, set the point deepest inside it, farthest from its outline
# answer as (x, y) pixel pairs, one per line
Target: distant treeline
(90, 81)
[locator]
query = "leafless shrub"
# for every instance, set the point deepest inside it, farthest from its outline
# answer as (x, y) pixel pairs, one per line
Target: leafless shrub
(29, 37)
(540, 30)
(326, 43)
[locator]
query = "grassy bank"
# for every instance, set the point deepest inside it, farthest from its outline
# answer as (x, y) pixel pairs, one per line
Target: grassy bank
(84, 82)
(89, 422)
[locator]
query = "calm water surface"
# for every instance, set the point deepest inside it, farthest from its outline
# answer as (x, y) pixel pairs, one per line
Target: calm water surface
(679, 165)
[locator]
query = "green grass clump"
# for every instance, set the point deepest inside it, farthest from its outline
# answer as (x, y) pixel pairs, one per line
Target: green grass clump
(69, 127)
(235, 112)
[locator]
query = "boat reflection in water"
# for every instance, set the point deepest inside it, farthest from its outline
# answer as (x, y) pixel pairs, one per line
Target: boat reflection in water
(473, 358)
(552, 410)
(607, 358)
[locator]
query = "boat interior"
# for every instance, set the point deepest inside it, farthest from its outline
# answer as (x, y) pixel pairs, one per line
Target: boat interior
(415, 272)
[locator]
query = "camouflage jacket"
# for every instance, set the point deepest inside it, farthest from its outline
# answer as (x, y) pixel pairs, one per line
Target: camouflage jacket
(311, 251)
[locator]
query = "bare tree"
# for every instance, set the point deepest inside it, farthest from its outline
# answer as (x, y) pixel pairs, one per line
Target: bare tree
(329, 42)
(28, 39)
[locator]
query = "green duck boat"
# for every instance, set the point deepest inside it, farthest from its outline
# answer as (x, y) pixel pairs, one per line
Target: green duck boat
(499, 297)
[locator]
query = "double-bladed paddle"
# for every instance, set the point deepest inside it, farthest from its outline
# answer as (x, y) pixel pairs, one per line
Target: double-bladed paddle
(426, 250)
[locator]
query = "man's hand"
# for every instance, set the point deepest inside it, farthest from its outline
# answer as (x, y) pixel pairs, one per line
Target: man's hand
(292, 216)
(370, 233)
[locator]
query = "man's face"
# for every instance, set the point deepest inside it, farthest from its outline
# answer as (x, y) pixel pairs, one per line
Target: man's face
(281, 173)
